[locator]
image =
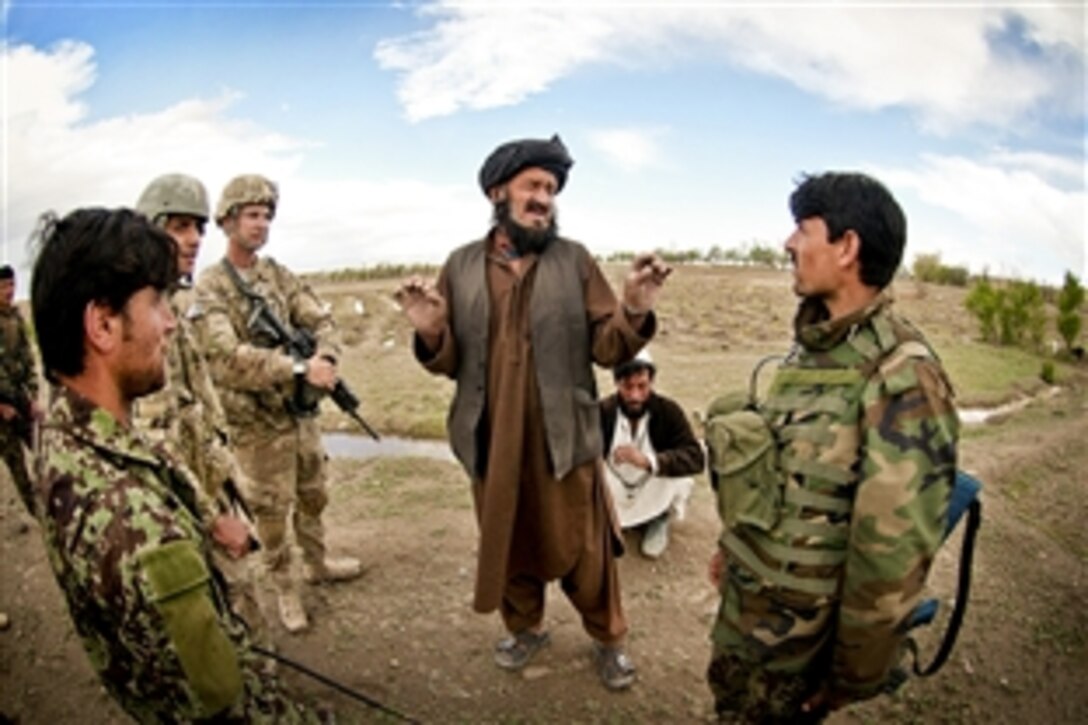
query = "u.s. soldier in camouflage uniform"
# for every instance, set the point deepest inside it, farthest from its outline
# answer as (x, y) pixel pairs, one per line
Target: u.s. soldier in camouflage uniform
(18, 388)
(828, 538)
(186, 415)
(277, 441)
(120, 519)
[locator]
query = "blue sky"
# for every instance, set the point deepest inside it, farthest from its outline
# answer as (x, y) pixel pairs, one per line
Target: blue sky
(689, 122)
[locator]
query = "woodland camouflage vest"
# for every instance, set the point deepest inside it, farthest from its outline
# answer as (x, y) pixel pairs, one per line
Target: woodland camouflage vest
(786, 472)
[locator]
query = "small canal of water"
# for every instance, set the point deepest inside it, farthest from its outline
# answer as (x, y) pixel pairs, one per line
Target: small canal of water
(351, 445)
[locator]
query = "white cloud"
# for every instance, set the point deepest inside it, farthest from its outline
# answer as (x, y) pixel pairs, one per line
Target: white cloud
(952, 65)
(54, 160)
(1060, 169)
(1013, 214)
(487, 56)
(45, 84)
(631, 149)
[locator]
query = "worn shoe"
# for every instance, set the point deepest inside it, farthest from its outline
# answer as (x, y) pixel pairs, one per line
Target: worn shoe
(514, 652)
(656, 537)
(332, 570)
(292, 614)
(614, 666)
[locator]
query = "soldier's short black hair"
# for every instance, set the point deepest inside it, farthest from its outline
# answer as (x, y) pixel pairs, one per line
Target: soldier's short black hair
(7, 272)
(91, 255)
(855, 201)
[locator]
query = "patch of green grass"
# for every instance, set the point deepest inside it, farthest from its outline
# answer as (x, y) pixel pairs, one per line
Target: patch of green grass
(986, 375)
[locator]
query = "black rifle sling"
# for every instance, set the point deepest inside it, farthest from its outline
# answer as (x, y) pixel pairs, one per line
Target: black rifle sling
(297, 406)
(963, 590)
(241, 284)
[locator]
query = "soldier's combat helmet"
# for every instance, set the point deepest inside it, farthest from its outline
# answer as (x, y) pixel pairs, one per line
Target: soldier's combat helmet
(174, 194)
(246, 189)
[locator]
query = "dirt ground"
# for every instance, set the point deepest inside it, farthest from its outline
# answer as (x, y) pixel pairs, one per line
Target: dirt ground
(406, 635)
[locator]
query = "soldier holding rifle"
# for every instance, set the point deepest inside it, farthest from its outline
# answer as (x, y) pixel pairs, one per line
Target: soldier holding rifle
(271, 396)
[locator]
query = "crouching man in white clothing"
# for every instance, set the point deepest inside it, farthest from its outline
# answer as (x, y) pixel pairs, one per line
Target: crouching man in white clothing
(650, 455)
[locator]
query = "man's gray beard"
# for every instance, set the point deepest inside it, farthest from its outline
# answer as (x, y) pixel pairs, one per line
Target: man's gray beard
(526, 240)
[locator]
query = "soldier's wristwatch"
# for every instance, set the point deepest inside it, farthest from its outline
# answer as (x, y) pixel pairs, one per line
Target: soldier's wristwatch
(300, 367)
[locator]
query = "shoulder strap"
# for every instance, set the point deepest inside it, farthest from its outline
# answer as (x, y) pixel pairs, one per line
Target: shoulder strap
(239, 283)
(753, 381)
(964, 497)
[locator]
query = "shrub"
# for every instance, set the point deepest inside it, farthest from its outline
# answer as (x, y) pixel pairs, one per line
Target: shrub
(765, 255)
(1011, 315)
(928, 268)
(1070, 299)
(955, 276)
(679, 256)
(1022, 315)
(1047, 372)
(984, 302)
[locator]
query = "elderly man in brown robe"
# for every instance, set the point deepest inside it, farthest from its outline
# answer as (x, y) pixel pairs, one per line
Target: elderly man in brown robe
(517, 319)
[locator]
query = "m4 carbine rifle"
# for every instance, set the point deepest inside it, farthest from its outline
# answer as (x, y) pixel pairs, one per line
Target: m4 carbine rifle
(298, 343)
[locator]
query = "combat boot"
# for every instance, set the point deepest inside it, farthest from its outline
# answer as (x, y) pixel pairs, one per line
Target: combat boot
(332, 570)
(292, 614)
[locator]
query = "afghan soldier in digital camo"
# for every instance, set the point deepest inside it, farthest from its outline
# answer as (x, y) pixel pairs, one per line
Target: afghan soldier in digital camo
(121, 525)
(18, 389)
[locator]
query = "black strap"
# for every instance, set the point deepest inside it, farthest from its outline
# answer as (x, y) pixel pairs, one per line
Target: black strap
(240, 283)
(963, 590)
(353, 694)
(296, 405)
(753, 381)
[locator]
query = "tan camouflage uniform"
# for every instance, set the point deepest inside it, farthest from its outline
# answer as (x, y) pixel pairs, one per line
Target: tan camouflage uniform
(127, 545)
(18, 387)
(818, 584)
(187, 417)
(281, 453)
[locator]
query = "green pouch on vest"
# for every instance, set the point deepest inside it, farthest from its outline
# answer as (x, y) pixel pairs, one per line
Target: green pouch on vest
(178, 581)
(743, 464)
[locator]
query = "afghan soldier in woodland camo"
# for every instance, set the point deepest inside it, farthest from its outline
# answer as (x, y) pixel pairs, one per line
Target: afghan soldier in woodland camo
(120, 519)
(186, 415)
(18, 389)
(834, 491)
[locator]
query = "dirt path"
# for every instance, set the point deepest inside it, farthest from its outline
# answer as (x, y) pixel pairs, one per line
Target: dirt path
(406, 634)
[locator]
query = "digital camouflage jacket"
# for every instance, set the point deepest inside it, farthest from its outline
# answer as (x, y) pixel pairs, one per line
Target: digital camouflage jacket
(129, 551)
(823, 571)
(18, 377)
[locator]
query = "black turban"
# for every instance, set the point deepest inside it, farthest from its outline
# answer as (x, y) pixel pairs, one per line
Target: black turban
(507, 160)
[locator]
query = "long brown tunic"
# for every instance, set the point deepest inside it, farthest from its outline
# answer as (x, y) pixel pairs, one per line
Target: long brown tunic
(531, 523)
